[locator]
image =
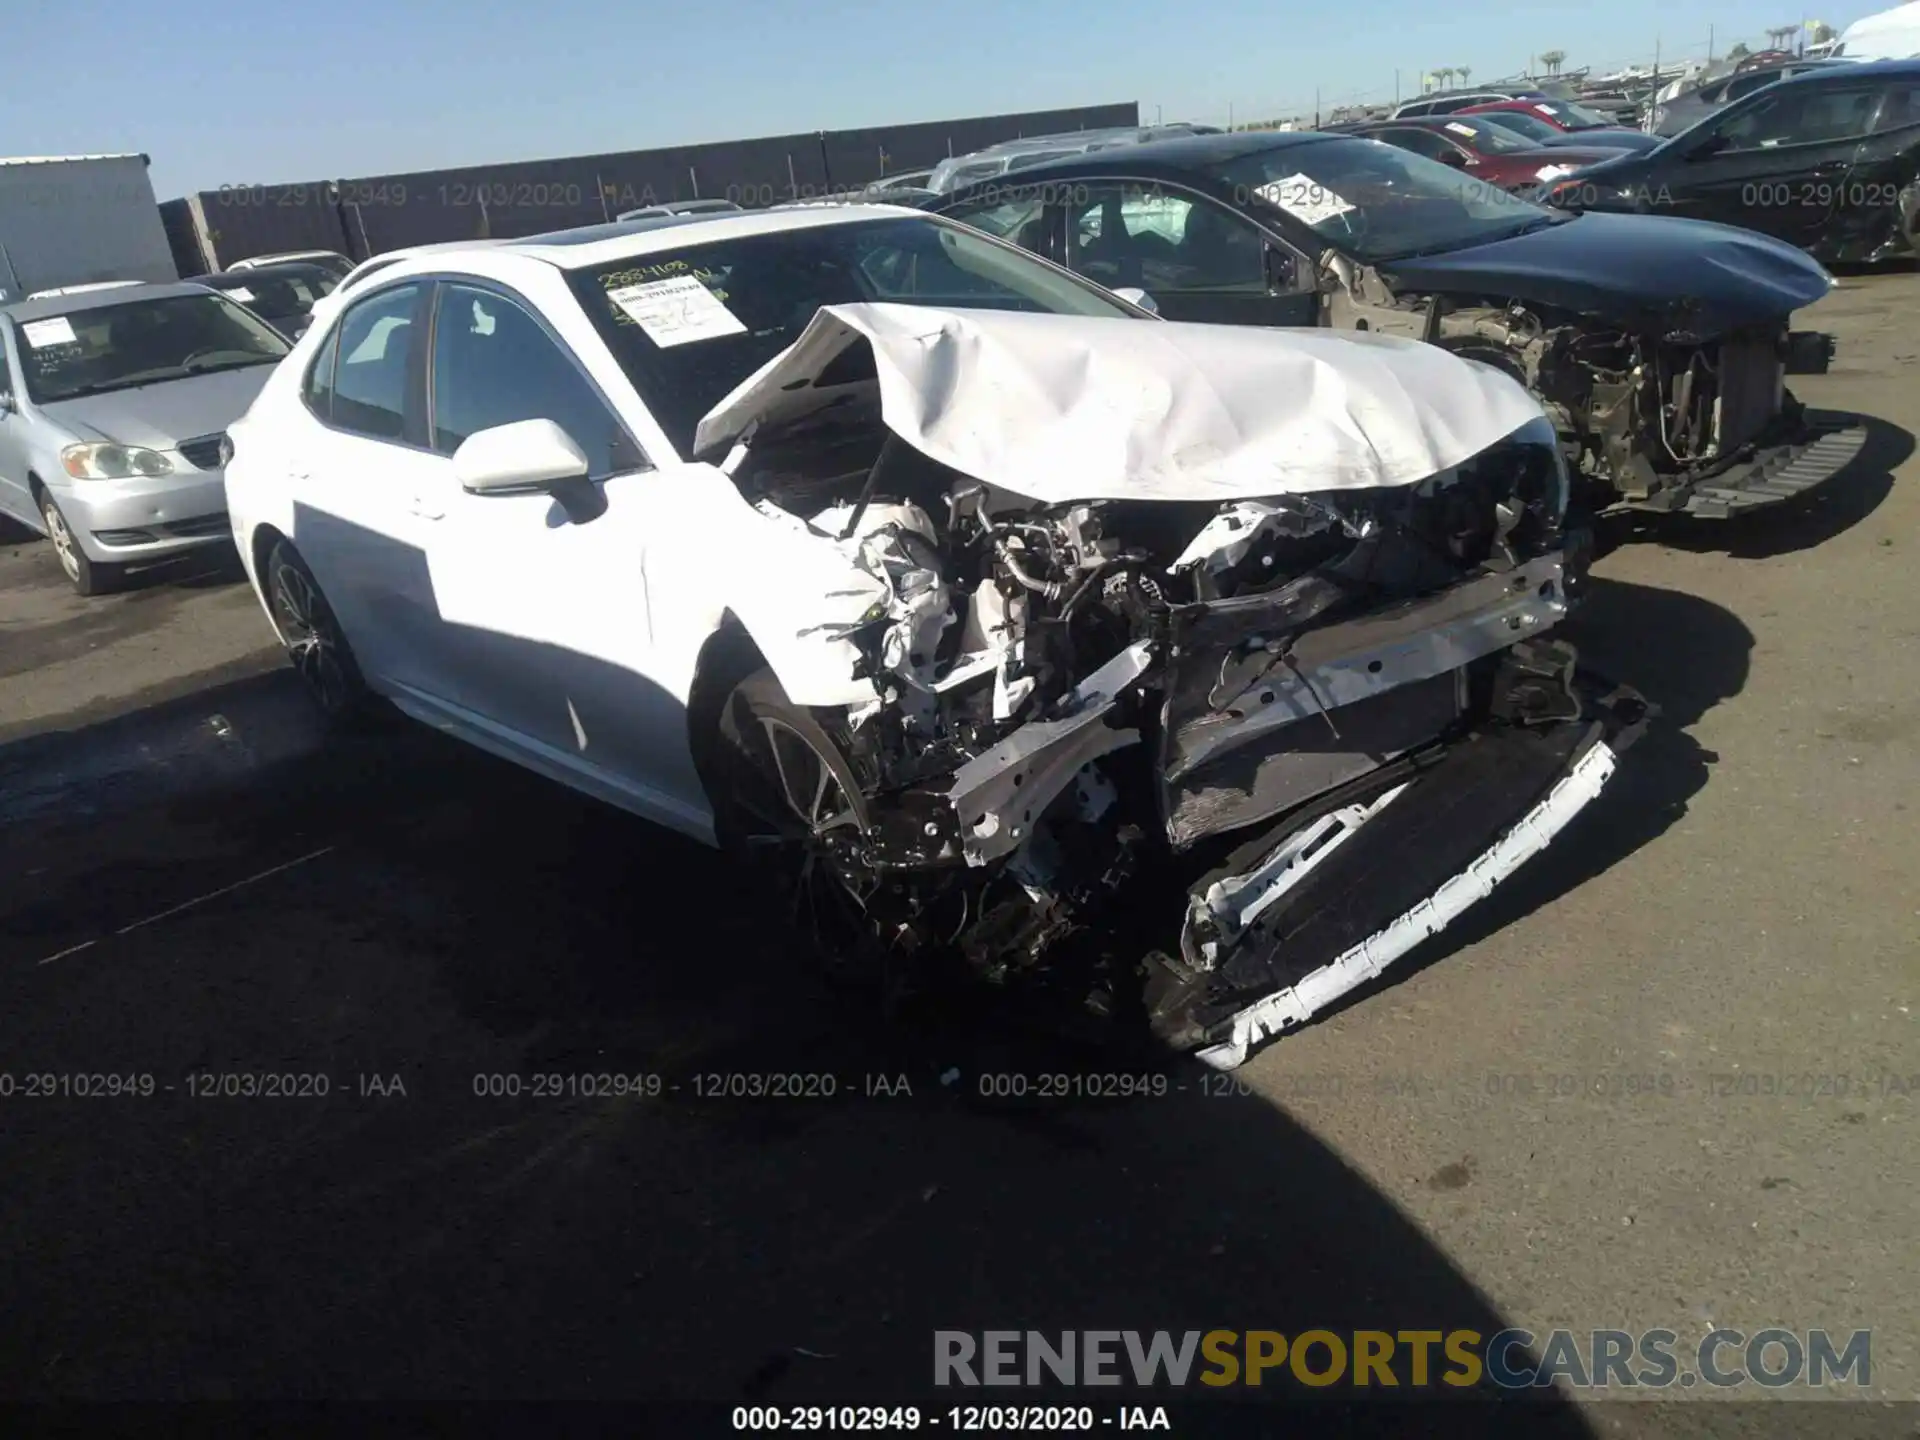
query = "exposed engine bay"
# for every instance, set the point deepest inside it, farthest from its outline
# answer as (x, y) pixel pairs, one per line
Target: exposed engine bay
(1062, 705)
(1068, 699)
(1663, 421)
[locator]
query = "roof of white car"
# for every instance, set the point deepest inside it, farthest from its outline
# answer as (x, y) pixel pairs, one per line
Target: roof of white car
(593, 245)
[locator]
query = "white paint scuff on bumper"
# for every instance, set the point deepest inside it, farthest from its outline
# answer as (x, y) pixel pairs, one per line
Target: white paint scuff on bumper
(1298, 1003)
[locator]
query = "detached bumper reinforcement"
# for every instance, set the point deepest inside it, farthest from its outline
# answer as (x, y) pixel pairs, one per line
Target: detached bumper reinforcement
(1315, 991)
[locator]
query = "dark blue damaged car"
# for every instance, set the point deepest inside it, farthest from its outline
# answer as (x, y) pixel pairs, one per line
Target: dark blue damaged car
(1659, 345)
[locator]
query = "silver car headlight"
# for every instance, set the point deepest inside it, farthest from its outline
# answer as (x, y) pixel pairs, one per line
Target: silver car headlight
(107, 461)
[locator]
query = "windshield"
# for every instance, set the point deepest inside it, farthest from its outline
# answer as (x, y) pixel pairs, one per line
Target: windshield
(1530, 127)
(688, 325)
(279, 297)
(115, 347)
(1375, 202)
(1571, 116)
(1485, 138)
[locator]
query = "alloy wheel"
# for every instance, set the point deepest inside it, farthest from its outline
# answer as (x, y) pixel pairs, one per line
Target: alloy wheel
(799, 824)
(312, 638)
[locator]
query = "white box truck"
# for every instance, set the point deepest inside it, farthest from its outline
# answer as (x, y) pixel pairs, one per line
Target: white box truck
(78, 220)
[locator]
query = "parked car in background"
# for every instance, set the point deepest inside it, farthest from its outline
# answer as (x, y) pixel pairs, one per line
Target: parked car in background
(1447, 102)
(114, 407)
(1657, 344)
(86, 289)
(1574, 124)
(1486, 152)
(857, 543)
(1532, 128)
(1690, 107)
(917, 180)
(281, 295)
(1008, 155)
(680, 207)
(331, 261)
(1826, 161)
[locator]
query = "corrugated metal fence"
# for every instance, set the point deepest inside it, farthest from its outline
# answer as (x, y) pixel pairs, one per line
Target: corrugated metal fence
(362, 217)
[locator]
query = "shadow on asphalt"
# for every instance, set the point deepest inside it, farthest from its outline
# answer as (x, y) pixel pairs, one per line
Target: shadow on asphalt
(474, 921)
(1685, 655)
(1799, 524)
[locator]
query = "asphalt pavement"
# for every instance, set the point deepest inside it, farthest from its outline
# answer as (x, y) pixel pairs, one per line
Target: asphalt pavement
(1667, 1077)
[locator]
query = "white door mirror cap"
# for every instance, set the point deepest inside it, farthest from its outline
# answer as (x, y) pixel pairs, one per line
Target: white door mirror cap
(527, 454)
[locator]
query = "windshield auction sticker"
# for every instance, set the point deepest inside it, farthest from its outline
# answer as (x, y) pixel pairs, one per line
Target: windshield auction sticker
(676, 311)
(1304, 198)
(56, 331)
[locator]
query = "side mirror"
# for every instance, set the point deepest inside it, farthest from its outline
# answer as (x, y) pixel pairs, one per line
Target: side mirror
(1134, 295)
(526, 455)
(1283, 271)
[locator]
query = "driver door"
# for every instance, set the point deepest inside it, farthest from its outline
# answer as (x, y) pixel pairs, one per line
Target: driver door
(1198, 259)
(1778, 164)
(543, 621)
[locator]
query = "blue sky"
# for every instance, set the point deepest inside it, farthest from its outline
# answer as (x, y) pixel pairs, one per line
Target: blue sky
(230, 94)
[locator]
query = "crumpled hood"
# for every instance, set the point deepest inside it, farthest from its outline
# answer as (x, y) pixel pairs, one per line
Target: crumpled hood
(1062, 408)
(159, 416)
(1641, 271)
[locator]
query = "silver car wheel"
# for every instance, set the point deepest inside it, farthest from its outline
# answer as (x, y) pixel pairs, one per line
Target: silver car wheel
(64, 544)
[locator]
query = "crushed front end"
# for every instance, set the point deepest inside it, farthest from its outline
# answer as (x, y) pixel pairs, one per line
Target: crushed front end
(1320, 725)
(1673, 417)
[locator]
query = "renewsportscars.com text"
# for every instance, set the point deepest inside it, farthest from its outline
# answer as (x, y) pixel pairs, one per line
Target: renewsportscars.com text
(1514, 1359)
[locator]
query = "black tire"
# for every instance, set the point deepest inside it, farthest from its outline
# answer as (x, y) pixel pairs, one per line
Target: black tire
(88, 576)
(772, 762)
(314, 640)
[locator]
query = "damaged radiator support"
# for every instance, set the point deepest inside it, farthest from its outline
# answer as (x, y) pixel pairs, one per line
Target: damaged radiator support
(999, 793)
(1236, 678)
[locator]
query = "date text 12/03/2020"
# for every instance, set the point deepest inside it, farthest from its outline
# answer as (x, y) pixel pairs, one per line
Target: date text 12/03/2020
(964, 1419)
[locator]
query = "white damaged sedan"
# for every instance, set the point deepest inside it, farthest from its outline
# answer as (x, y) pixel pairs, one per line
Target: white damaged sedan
(970, 606)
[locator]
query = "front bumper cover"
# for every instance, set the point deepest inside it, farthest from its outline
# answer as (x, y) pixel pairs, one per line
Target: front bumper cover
(1329, 899)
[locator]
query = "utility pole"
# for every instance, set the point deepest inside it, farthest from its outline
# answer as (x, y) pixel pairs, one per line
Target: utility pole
(1709, 44)
(1316, 107)
(1229, 114)
(1396, 89)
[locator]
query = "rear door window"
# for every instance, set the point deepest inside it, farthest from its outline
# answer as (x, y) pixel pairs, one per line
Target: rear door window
(375, 342)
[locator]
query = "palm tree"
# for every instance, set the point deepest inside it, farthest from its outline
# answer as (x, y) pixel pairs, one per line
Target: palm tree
(1444, 75)
(1552, 59)
(1739, 51)
(1463, 71)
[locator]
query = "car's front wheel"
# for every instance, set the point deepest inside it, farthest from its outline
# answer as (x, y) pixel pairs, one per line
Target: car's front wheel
(313, 637)
(788, 808)
(88, 576)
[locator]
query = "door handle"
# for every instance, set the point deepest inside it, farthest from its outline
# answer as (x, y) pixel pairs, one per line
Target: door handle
(426, 507)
